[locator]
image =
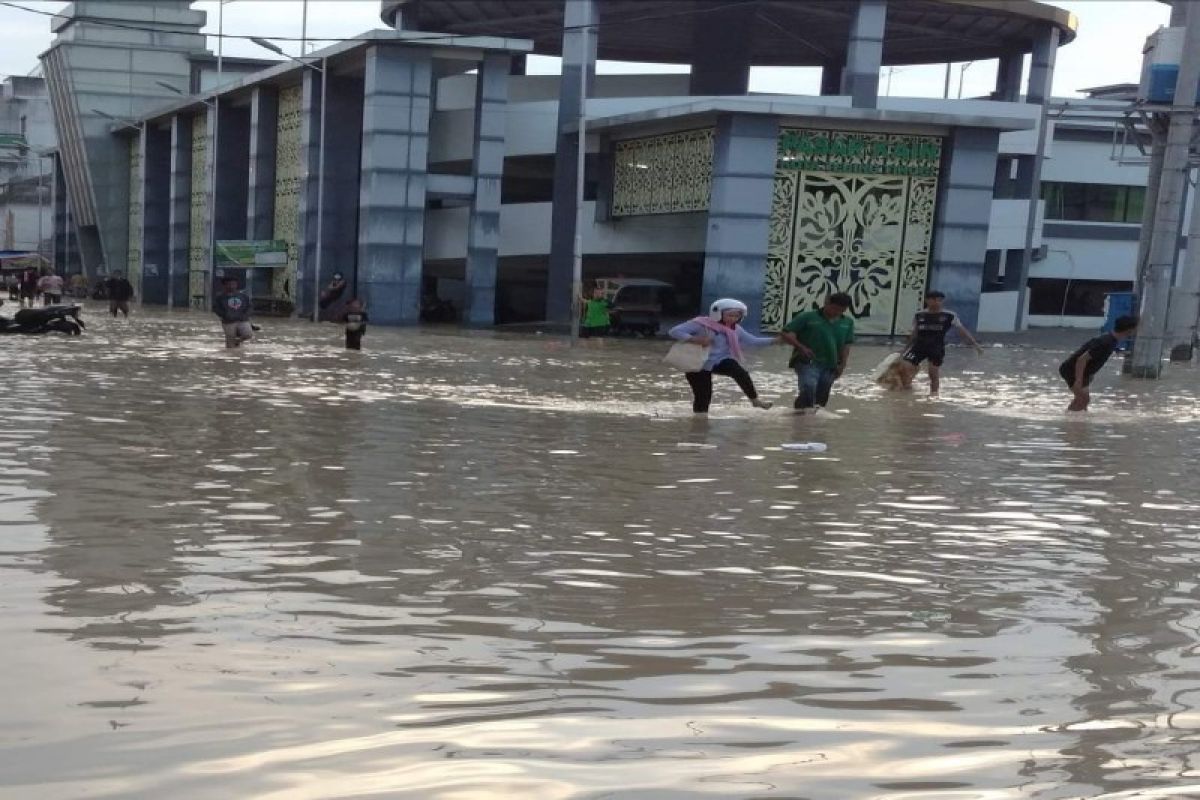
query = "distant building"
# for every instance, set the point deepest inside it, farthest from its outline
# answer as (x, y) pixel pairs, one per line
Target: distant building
(26, 134)
(1094, 190)
(445, 171)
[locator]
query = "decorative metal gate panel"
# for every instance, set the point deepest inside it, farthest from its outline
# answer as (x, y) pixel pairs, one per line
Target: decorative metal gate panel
(854, 213)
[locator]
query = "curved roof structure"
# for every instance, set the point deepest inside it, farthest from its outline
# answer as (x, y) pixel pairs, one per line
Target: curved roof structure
(783, 32)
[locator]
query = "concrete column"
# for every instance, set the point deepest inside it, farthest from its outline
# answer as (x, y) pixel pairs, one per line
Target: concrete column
(343, 160)
(156, 213)
(576, 57)
(395, 154)
(721, 47)
(180, 214)
(58, 204)
(310, 154)
(831, 79)
(232, 159)
(964, 211)
(1029, 168)
(864, 54)
(739, 214)
(1008, 77)
(260, 193)
(483, 238)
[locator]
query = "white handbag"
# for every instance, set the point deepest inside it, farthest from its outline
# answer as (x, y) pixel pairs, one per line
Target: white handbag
(686, 357)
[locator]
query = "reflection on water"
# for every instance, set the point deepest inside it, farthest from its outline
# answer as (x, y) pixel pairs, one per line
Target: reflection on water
(476, 567)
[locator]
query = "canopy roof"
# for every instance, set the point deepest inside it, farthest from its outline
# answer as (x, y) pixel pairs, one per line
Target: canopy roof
(783, 32)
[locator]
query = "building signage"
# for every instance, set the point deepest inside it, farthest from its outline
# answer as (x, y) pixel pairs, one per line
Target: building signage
(252, 253)
(844, 152)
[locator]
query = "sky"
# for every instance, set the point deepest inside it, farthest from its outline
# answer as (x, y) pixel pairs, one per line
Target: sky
(1107, 50)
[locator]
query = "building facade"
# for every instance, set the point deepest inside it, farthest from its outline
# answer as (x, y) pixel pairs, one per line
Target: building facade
(438, 169)
(26, 136)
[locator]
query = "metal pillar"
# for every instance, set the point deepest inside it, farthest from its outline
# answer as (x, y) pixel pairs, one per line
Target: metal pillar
(831, 79)
(1029, 168)
(721, 47)
(739, 214)
(394, 164)
(180, 216)
(156, 207)
(483, 237)
(1008, 77)
(964, 205)
(260, 194)
(864, 54)
(579, 53)
(1164, 241)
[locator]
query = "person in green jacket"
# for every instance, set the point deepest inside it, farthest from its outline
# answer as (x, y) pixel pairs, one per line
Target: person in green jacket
(596, 317)
(821, 342)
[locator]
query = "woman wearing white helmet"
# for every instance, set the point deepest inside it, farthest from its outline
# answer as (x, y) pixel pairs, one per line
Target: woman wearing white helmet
(724, 338)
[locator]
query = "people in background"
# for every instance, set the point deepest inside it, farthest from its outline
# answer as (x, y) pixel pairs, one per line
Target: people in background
(596, 317)
(232, 307)
(355, 317)
(51, 287)
(120, 292)
(330, 298)
(927, 341)
(724, 337)
(29, 288)
(821, 342)
(1082, 365)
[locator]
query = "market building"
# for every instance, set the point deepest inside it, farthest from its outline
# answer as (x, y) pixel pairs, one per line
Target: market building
(436, 167)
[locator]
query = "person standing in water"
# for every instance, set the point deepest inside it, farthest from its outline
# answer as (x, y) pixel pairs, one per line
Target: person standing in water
(52, 289)
(596, 317)
(355, 317)
(821, 342)
(232, 307)
(928, 341)
(120, 292)
(1082, 365)
(724, 337)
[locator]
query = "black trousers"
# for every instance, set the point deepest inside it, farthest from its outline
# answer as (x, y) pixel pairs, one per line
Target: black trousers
(701, 383)
(354, 340)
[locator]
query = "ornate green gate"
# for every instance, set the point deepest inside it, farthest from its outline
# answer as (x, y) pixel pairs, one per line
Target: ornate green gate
(853, 212)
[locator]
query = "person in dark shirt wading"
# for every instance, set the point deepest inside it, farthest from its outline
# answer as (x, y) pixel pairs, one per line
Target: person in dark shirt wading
(928, 341)
(120, 292)
(1084, 363)
(233, 309)
(355, 317)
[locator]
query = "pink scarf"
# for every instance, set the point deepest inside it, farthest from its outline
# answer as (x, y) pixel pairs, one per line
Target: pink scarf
(731, 335)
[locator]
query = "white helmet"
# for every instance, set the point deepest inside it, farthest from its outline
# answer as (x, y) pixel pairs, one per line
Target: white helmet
(719, 307)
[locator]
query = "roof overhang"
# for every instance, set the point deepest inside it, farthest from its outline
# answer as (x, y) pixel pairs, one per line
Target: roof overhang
(338, 57)
(779, 32)
(992, 115)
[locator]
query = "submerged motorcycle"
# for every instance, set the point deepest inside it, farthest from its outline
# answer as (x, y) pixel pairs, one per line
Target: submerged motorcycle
(50, 319)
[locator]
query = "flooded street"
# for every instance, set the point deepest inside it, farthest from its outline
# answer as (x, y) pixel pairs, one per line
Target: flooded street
(459, 566)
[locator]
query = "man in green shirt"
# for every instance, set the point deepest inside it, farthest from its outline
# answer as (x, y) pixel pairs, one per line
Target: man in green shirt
(821, 342)
(596, 316)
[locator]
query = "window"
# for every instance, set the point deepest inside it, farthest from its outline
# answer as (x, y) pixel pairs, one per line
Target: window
(1072, 298)
(1093, 202)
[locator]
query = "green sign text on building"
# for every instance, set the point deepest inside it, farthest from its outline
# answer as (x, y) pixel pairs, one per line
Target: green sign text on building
(251, 253)
(845, 152)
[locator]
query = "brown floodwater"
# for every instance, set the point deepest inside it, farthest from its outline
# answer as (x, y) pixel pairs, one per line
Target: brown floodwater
(460, 566)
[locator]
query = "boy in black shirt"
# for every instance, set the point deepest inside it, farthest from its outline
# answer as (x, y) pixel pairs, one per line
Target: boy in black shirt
(355, 317)
(1084, 363)
(928, 340)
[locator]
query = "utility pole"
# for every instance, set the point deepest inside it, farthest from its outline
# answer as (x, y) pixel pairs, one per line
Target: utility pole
(1163, 250)
(1184, 311)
